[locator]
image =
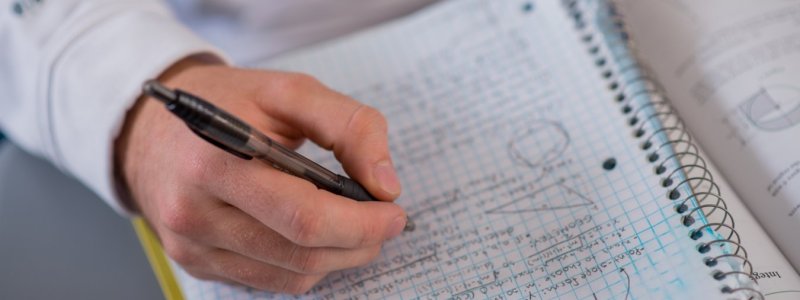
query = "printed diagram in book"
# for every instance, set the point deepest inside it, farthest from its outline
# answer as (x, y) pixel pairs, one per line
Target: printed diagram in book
(773, 108)
(770, 108)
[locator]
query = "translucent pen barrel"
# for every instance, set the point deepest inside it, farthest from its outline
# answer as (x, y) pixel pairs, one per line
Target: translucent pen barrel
(235, 136)
(293, 163)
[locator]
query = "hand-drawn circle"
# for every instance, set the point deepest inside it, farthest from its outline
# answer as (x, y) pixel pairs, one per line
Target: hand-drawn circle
(538, 144)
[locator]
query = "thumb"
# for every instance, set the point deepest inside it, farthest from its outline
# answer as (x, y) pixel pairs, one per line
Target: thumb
(356, 133)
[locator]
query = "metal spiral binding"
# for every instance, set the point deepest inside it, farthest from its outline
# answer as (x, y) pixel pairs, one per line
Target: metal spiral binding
(698, 179)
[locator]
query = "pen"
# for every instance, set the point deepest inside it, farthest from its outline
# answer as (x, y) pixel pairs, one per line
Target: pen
(237, 137)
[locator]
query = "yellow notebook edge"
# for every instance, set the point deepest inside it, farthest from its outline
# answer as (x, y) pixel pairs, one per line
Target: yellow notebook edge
(158, 261)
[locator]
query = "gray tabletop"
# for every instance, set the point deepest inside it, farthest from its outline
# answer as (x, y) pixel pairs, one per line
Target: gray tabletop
(58, 240)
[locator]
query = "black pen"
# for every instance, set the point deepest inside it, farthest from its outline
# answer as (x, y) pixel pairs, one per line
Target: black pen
(237, 137)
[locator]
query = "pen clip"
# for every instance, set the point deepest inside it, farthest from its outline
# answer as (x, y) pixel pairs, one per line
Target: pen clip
(221, 145)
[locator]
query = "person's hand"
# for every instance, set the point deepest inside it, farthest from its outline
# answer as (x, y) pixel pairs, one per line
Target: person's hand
(224, 218)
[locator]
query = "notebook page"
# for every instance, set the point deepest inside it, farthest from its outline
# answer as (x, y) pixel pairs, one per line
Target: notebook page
(500, 130)
(731, 68)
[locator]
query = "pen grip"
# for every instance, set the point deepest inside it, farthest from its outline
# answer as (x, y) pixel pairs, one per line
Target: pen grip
(206, 118)
(234, 135)
(355, 191)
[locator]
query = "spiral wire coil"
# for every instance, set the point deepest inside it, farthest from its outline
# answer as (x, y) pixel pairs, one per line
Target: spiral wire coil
(632, 81)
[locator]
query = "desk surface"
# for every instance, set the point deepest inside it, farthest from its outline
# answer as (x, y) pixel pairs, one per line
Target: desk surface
(59, 241)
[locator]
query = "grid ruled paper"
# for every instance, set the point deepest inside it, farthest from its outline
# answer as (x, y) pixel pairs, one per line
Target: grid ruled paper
(499, 128)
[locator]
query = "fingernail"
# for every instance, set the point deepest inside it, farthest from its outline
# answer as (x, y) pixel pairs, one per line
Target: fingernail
(396, 227)
(387, 178)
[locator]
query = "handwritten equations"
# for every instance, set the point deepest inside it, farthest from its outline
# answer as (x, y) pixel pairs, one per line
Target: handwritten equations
(499, 130)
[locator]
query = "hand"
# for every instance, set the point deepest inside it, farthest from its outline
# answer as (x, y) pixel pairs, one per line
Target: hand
(224, 218)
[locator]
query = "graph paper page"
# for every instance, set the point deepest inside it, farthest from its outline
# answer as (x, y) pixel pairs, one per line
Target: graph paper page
(499, 128)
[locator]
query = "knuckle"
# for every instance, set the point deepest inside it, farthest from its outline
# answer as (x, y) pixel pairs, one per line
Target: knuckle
(294, 82)
(304, 226)
(366, 120)
(179, 218)
(181, 254)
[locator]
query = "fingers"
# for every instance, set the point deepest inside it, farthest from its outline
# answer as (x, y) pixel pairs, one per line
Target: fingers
(262, 276)
(293, 207)
(194, 224)
(356, 133)
(240, 233)
(305, 215)
(218, 264)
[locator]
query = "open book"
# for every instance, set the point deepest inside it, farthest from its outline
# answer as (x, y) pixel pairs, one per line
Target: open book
(541, 156)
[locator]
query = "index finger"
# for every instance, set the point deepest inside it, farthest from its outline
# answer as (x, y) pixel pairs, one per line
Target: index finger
(310, 217)
(356, 133)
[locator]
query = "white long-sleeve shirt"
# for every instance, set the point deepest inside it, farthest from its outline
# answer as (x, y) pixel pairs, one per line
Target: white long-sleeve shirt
(70, 69)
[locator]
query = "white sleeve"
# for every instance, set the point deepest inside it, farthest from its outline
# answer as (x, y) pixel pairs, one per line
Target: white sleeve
(70, 69)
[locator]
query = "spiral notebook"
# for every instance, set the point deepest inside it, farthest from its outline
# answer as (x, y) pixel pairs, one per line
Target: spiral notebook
(539, 160)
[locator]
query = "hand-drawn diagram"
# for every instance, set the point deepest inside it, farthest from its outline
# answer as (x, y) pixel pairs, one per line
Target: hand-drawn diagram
(773, 108)
(537, 200)
(539, 144)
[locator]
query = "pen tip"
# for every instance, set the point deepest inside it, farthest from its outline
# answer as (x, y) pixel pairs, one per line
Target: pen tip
(410, 226)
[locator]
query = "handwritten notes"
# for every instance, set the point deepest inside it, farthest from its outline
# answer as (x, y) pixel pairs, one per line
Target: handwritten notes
(555, 265)
(499, 131)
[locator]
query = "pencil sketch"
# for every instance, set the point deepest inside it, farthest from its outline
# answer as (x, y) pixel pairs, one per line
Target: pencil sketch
(539, 144)
(551, 197)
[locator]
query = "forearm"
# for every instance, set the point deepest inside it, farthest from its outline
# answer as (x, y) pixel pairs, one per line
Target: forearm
(71, 69)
